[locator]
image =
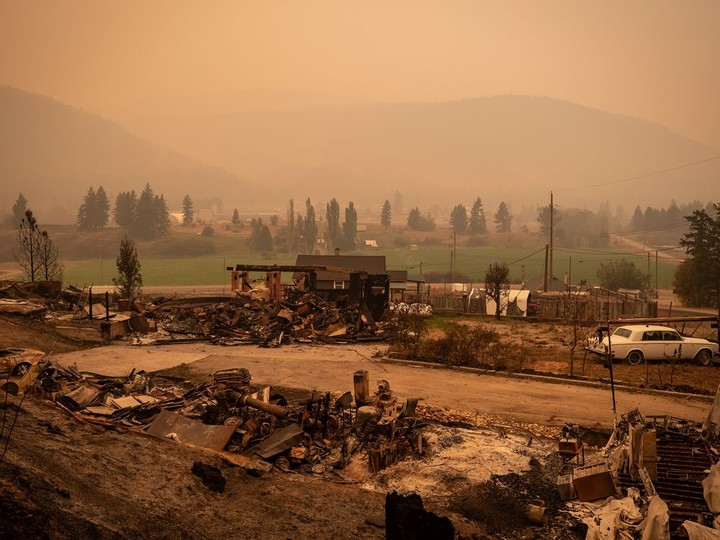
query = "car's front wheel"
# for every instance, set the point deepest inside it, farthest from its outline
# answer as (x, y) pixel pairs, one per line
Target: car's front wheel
(635, 358)
(704, 357)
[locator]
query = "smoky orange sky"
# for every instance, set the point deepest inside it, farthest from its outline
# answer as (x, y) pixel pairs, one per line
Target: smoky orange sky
(656, 60)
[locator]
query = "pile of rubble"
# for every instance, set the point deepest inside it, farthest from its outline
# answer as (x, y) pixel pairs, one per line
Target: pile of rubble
(668, 469)
(245, 423)
(250, 320)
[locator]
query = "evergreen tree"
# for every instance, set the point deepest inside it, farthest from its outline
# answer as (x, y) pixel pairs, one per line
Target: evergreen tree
(417, 222)
(459, 219)
(261, 238)
(310, 234)
(332, 215)
(129, 280)
(187, 210)
(101, 210)
(292, 245)
(86, 212)
(637, 222)
(350, 227)
(236, 217)
(162, 216)
(386, 214)
(503, 219)
(125, 208)
(18, 210)
(697, 279)
(477, 223)
(145, 214)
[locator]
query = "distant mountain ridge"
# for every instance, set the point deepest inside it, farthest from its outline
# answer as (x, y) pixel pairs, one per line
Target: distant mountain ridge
(512, 148)
(52, 153)
(505, 148)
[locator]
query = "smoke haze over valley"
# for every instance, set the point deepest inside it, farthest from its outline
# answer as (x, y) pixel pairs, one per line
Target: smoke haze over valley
(245, 106)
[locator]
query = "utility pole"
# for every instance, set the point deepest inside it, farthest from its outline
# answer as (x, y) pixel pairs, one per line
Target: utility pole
(550, 260)
(545, 281)
(656, 271)
(453, 257)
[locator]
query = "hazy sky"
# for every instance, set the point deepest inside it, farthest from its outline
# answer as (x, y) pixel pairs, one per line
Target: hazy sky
(652, 59)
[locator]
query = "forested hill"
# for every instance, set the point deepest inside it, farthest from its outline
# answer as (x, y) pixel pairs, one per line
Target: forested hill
(514, 148)
(52, 153)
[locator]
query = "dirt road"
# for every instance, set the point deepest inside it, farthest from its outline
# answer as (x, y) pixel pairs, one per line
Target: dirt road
(330, 367)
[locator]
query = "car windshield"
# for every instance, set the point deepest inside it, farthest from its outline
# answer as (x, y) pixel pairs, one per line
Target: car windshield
(622, 332)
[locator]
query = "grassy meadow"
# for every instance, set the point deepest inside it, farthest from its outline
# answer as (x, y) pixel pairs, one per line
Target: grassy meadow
(185, 257)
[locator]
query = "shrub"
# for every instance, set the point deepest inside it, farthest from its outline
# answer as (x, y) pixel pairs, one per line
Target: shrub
(462, 345)
(407, 331)
(208, 231)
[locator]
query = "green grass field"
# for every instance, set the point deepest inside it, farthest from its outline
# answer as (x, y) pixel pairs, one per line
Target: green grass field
(90, 257)
(471, 261)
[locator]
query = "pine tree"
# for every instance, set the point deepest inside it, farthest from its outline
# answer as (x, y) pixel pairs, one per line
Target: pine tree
(162, 216)
(503, 219)
(187, 206)
(697, 279)
(145, 214)
(18, 210)
(477, 223)
(101, 210)
(125, 209)
(386, 214)
(129, 281)
(236, 217)
(87, 211)
(459, 219)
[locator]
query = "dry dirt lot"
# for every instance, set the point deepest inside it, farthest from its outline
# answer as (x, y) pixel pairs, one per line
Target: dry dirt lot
(62, 478)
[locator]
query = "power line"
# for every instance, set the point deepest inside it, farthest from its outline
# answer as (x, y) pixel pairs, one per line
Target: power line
(641, 176)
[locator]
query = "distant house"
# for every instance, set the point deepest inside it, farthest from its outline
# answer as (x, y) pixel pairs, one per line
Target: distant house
(352, 279)
(371, 244)
(340, 281)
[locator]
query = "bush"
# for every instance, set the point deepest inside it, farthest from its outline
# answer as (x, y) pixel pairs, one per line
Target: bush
(208, 231)
(407, 331)
(402, 241)
(463, 345)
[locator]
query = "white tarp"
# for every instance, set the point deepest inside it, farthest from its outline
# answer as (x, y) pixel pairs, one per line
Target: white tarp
(617, 519)
(711, 489)
(695, 531)
(657, 522)
(513, 302)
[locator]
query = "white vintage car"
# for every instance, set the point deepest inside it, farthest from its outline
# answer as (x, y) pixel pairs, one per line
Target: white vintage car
(638, 342)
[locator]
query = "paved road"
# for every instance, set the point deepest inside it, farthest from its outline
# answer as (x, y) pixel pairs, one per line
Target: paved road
(332, 367)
